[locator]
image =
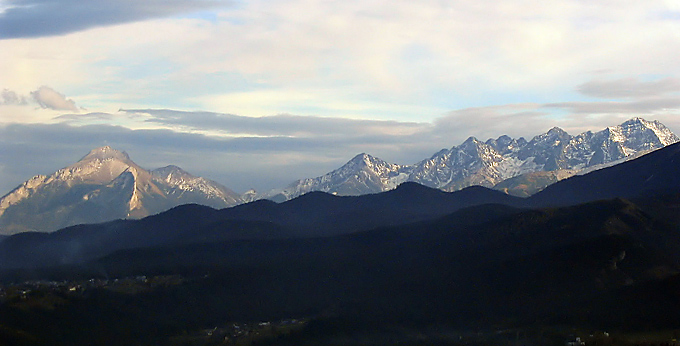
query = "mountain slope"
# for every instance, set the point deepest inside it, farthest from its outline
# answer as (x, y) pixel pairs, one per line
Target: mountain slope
(402, 260)
(363, 174)
(104, 185)
(655, 173)
(554, 264)
(316, 214)
(588, 267)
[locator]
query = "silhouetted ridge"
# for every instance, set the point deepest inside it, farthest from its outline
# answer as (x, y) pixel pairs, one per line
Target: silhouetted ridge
(413, 187)
(654, 173)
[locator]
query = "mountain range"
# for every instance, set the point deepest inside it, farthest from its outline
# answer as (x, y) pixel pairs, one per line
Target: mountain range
(595, 252)
(318, 214)
(493, 162)
(104, 185)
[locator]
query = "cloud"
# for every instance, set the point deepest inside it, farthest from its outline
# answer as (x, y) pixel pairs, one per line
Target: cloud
(36, 18)
(642, 106)
(281, 125)
(629, 88)
(47, 97)
(261, 162)
(270, 152)
(89, 117)
(9, 97)
(318, 57)
(483, 123)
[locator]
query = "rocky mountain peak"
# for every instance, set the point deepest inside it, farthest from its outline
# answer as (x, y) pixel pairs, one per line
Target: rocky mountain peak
(554, 136)
(106, 153)
(107, 185)
(487, 163)
(361, 159)
(171, 171)
(556, 131)
(636, 121)
(640, 127)
(471, 141)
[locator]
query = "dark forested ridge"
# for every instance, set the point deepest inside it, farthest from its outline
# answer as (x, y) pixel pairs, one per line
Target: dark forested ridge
(652, 174)
(311, 215)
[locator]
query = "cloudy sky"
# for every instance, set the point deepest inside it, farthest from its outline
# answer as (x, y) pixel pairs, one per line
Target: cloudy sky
(255, 94)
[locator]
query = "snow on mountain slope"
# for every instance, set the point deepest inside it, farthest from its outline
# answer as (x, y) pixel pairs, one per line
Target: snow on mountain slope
(492, 162)
(181, 184)
(363, 174)
(104, 185)
(471, 163)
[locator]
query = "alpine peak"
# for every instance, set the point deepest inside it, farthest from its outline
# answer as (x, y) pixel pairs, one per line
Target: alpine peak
(636, 120)
(557, 131)
(169, 170)
(471, 139)
(105, 153)
(363, 157)
(105, 185)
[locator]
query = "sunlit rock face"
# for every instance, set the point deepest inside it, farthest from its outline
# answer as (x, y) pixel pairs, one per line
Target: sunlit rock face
(104, 185)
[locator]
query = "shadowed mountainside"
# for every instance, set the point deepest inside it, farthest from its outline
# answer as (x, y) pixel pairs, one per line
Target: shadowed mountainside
(655, 173)
(411, 257)
(311, 215)
(600, 265)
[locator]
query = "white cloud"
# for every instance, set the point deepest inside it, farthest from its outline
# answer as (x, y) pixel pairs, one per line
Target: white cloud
(453, 68)
(9, 97)
(429, 54)
(47, 97)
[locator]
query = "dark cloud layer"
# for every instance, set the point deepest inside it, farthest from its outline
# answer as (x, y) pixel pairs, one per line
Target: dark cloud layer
(239, 163)
(36, 18)
(269, 152)
(280, 125)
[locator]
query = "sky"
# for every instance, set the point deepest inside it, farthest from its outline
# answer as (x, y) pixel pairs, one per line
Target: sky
(257, 94)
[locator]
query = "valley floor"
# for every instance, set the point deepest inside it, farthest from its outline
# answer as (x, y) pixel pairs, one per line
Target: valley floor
(100, 312)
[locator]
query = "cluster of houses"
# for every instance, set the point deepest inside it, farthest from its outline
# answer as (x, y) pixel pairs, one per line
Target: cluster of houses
(25, 289)
(234, 333)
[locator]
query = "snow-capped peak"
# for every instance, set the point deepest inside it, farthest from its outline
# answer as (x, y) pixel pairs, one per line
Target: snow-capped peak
(557, 131)
(663, 134)
(362, 158)
(109, 185)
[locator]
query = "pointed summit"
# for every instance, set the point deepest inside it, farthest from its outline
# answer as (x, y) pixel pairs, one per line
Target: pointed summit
(106, 153)
(363, 174)
(636, 120)
(361, 158)
(170, 171)
(104, 185)
(641, 129)
(556, 131)
(471, 141)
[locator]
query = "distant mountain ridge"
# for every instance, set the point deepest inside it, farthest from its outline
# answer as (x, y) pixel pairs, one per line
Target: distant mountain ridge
(104, 185)
(489, 163)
